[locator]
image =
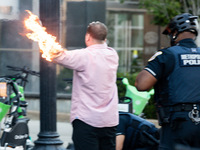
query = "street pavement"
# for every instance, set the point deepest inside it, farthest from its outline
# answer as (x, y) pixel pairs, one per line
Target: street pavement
(64, 129)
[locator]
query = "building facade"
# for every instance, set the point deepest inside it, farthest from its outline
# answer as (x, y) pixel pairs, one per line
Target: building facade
(130, 33)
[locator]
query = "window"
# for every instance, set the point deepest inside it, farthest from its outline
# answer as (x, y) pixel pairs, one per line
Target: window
(126, 36)
(15, 49)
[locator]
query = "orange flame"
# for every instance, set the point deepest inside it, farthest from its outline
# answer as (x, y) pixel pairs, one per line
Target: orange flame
(46, 41)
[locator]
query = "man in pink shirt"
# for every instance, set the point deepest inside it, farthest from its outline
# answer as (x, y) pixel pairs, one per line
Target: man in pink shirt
(94, 113)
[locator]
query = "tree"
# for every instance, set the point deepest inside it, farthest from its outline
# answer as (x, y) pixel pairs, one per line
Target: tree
(164, 10)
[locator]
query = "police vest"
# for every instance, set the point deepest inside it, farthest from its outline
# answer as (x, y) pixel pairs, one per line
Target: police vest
(140, 133)
(184, 81)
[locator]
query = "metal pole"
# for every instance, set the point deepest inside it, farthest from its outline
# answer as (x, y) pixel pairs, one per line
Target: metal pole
(48, 137)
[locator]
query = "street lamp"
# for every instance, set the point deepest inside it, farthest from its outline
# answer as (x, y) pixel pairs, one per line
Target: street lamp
(48, 136)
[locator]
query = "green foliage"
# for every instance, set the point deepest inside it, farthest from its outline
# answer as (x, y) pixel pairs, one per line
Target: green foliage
(63, 86)
(162, 10)
(150, 109)
(121, 87)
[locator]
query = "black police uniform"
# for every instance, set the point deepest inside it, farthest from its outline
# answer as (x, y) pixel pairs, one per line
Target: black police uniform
(177, 93)
(140, 134)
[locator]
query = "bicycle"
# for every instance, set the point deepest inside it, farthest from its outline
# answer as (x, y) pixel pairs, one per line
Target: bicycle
(14, 107)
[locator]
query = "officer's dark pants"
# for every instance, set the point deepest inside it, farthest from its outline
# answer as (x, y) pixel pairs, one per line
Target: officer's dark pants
(86, 137)
(182, 131)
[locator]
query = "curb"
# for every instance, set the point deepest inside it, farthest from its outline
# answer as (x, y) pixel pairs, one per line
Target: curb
(61, 117)
(65, 117)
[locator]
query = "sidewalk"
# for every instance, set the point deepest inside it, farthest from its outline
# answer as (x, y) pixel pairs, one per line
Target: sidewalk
(64, 128)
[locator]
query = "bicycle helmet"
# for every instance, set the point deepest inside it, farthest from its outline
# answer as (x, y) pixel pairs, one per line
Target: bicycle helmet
(181, 23)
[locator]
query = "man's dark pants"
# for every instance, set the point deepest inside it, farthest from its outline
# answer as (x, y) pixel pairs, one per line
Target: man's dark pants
(86, 137)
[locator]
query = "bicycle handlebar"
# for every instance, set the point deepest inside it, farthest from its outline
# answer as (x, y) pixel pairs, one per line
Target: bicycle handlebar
(22, 76)
(24, 70)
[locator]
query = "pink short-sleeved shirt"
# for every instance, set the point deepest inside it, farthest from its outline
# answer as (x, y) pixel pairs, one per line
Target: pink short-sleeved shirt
(94, 93)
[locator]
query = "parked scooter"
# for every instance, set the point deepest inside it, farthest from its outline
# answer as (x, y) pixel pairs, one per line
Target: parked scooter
(13, 106)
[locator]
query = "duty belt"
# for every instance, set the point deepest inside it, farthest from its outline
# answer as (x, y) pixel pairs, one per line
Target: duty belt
(193, 109)
(184, 107)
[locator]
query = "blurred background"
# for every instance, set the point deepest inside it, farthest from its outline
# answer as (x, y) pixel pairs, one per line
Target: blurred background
(135, 31)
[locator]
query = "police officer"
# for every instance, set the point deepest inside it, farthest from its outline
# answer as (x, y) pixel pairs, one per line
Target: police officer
(174, 72)
(136, 133)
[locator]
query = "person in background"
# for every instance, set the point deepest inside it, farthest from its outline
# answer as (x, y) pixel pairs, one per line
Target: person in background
(136, 133)
(94, 112)
(174, 74)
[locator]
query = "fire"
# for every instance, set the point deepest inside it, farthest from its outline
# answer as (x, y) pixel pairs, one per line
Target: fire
(46, 41)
